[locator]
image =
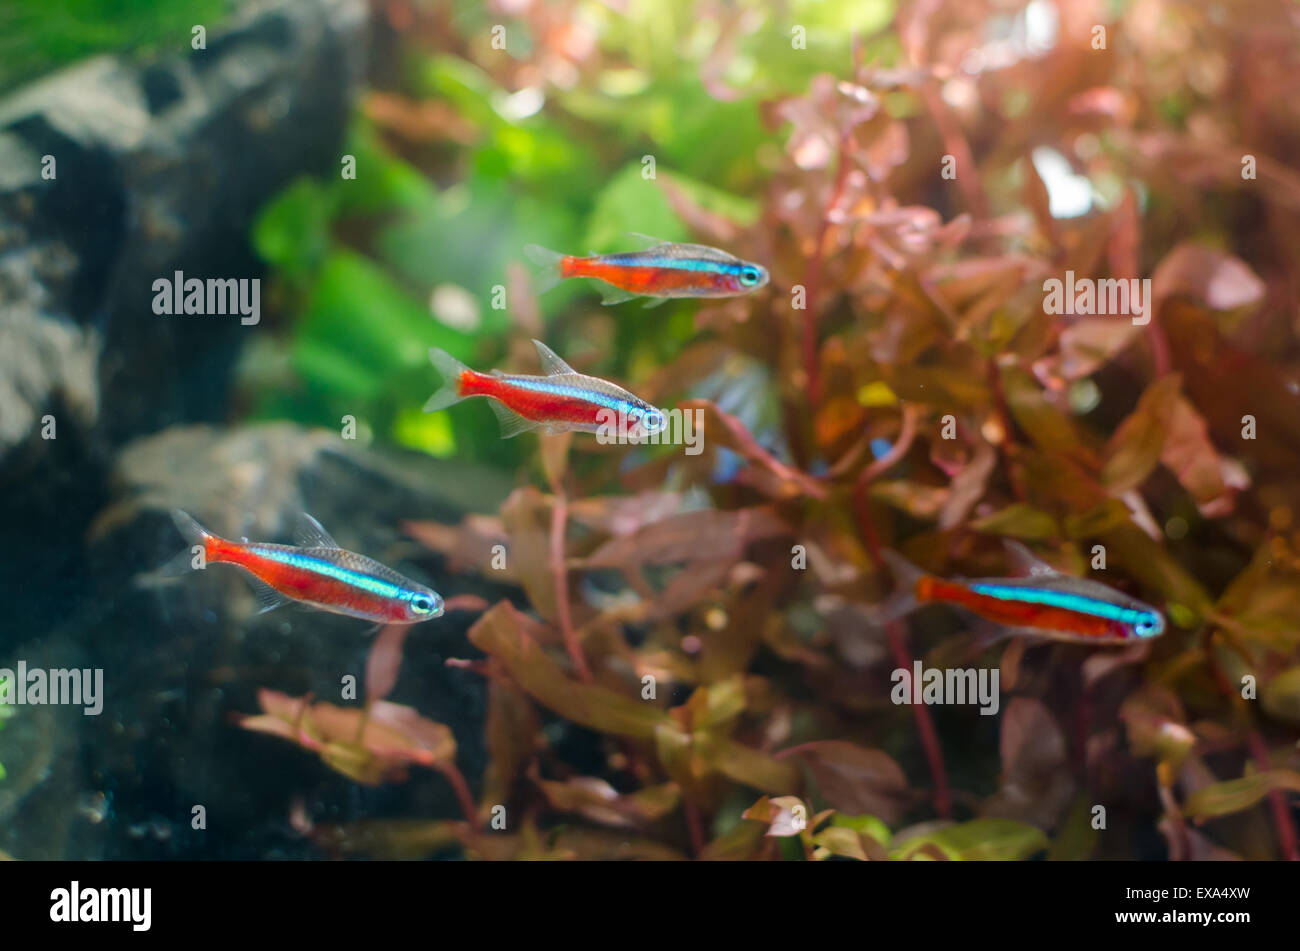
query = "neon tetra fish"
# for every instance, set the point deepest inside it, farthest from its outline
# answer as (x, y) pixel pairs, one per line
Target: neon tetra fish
(562, 400)
(663, 271)
(318, 573)
(1045, 604)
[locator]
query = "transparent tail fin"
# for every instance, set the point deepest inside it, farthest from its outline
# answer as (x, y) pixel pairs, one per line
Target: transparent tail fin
(903, 601)
(187, 559)
(450, 368)
(549, 266)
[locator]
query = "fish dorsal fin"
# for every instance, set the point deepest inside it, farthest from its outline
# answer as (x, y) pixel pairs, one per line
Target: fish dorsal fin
(649, 239)
(1027, 562)
(682, 250)
(552, 365)
(308, 533)
(705, 252)
(512, 424)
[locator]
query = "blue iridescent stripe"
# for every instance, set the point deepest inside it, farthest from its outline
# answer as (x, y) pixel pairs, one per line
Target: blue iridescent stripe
(1060, 599)
(319, 566)
(681, 264)
(571, 392)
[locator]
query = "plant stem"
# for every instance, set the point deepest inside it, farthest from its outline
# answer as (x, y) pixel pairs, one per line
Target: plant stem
(903, 658)
(1276, 801)
(813, 278)
(694, 825)
(559, 519)
(461, 789)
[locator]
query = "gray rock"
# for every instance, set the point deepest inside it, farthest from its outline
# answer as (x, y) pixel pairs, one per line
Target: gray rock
(181, 657)
(159, 167)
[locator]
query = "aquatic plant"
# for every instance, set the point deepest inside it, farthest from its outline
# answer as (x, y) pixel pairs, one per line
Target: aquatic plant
(693, 667)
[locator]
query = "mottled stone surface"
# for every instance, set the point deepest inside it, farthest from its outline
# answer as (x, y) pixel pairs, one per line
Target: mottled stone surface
(158, 167)
(182, 656)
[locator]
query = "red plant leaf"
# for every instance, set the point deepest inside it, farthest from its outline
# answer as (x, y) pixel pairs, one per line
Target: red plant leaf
(855, 780)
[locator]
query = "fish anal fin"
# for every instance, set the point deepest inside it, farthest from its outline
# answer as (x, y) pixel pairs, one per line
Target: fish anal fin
(609, 294)
(309, 533)
(267, 597)
(512, 424)
(654, 302)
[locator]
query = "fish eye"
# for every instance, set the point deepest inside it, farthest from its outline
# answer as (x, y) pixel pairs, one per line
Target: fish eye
(749, 276)
(423, 604)
(654, 421)
(1148, 624)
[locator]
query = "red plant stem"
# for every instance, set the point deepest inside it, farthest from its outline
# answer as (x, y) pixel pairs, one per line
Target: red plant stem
(1007, 423)
(903, 658)
(813, 278)
(1276, 801)
(900, 448)
(461, 789)
(694, 825)
(747, 446)
(954, 141)
(1180, 845)
(924, 725)
(1286, 832)
(1159, 346)
(559, 519)
(1082, 714)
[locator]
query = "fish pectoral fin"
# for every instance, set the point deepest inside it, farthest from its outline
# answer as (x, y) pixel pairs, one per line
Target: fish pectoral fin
(268, 597)
(551, 362)
(609, 294)
(512, 424)
(309, 533)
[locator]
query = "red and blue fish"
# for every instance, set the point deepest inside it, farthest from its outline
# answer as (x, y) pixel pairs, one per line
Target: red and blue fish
(663, 271)
(1046, 603)
(560, 401)
(317, 573)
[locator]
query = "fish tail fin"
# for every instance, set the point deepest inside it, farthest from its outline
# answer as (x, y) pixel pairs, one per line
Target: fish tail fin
(550, 266)
(906, 578)
(451, 370)
(195, 535)
(190, 529)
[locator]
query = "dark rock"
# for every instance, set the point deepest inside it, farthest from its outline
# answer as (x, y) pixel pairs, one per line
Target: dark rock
(181, 657)
(159, 168)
